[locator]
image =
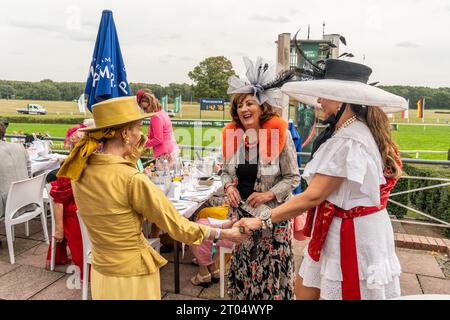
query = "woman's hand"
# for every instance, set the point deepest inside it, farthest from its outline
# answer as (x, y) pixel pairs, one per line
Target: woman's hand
(234, 198)
(59, 234)
(229, 224)
(59, 221)
(234, 235)
(249, 224)
(258, 198)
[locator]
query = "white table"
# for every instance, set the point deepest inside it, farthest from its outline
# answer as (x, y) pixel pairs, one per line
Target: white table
(192, 206)
(188, 212)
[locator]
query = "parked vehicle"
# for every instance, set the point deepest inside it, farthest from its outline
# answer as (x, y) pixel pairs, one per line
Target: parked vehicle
(171, 113)
(32, 108)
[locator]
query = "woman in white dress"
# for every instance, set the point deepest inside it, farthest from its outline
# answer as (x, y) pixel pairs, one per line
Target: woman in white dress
(353, 167)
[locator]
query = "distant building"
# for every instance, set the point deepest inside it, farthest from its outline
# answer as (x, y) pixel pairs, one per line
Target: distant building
(315, 50)
(288, 57)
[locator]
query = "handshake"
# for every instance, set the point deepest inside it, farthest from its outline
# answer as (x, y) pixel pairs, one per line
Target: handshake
(237, 231)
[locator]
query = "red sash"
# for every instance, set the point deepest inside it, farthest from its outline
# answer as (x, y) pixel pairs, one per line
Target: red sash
(322, 221)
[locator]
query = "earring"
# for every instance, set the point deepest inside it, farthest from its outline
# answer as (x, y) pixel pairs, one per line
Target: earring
(127, 141)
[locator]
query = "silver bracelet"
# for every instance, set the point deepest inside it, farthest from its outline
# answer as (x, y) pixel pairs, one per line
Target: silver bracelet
(269, 223)
(264, 225)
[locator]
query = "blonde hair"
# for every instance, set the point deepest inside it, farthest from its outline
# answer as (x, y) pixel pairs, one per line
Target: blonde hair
(378, 123)
(155, 105)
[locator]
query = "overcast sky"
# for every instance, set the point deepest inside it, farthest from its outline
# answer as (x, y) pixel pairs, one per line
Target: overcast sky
(406, 42)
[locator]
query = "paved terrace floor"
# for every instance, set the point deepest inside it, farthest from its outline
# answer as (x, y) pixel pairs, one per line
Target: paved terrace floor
(28, 278)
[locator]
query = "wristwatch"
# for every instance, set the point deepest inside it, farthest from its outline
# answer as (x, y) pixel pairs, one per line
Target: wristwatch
(265, 214)
(266, 218)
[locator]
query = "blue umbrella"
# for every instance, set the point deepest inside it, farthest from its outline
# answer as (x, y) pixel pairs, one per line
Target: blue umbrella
(107, 76)
(298, 148)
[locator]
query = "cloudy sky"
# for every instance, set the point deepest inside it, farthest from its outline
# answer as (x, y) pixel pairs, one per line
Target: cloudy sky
(406, 42)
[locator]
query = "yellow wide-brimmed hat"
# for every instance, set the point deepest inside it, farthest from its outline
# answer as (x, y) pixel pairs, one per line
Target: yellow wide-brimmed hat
(116, 111)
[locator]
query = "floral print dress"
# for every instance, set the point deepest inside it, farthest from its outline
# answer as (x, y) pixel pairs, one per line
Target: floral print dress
(262, 267)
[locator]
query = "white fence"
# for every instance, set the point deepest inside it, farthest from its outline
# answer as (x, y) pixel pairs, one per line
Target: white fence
(418, 152)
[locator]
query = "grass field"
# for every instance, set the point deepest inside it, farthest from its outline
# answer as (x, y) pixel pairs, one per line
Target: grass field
(418, 137)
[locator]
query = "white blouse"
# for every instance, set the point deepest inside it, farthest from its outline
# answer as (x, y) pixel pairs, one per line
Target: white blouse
(351, 153)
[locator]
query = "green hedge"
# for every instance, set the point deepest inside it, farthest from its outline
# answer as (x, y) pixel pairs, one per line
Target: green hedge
(399, 212)
(43, 119)
(435, 202)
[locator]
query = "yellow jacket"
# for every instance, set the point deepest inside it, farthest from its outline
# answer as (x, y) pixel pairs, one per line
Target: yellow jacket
(113, 198)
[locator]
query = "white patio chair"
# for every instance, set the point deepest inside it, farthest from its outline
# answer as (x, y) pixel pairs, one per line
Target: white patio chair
(223, 251)
(46, 201)
(49, 200)
(87, 249)
(154, 242)
(23, 193)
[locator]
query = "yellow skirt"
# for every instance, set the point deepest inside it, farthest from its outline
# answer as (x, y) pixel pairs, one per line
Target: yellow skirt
(145, 287)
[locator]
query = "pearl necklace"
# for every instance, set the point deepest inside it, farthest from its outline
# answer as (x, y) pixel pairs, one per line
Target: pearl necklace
(345, 124)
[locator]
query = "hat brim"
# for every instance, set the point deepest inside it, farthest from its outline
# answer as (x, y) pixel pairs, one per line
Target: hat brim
(141, 117)
(344, 91)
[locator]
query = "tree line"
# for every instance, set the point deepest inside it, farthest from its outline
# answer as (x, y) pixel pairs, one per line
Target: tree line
(210, 79)
(70, 91)
(435, 98)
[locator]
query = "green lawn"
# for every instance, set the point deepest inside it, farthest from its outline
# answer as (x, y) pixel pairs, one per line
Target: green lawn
(418, 138)
(55, 130)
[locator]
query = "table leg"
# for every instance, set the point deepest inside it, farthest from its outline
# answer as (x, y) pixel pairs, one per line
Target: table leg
(176, 262)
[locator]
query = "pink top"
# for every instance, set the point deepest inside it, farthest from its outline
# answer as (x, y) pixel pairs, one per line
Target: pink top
(160, 135)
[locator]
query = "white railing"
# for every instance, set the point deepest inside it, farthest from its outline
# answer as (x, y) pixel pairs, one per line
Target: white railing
(442, 223)
(418, 152)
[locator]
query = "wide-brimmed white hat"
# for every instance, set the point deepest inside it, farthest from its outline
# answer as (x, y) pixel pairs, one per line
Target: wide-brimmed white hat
(345, 81)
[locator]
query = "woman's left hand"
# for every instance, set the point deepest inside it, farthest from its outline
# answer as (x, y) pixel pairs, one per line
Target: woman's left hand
(229, 224)
(258, 198)
(249, 224)
(59, 234)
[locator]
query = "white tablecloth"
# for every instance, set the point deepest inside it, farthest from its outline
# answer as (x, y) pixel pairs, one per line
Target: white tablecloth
(192, 206)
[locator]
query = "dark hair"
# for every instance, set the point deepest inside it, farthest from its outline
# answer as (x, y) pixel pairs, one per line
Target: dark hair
(267, 111)
(2, 130)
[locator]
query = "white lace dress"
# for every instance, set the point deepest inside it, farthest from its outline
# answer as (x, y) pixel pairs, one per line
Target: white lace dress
(352, 153)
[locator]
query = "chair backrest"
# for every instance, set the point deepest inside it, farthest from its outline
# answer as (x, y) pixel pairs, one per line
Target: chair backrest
(84, 236)
(47, 189)
(23, 193)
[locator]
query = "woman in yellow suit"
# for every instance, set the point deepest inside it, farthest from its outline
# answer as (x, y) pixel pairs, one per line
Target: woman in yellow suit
(114, 198)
